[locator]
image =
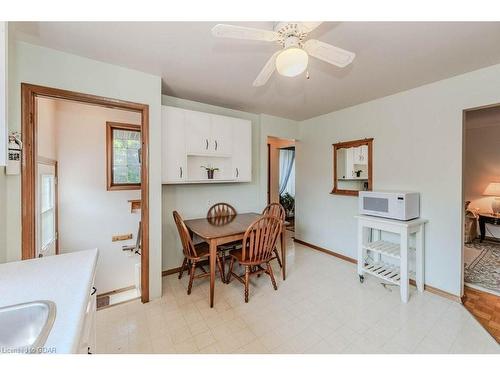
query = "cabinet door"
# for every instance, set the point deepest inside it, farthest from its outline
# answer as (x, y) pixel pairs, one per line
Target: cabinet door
(174, 163)
(360, 155)
(349, 162)
(242, 150)
(222, 135)
(197, 132)
(363, 155)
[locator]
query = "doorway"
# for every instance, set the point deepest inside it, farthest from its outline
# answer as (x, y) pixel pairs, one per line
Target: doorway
(481, 193)
(281, 176)
(31, 169)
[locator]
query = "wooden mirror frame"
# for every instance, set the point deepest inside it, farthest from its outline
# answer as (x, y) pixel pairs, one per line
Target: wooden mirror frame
(337, 146)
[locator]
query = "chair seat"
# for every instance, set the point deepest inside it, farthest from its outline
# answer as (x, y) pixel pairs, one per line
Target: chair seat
(238, 255)
(202, 249)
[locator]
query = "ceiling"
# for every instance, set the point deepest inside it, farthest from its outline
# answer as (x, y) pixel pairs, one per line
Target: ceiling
(390, 57)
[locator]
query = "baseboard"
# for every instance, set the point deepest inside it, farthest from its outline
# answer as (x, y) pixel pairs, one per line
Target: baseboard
(170, 271)
(439, 292)
(116, 291)
(429, 288)
(329, 252)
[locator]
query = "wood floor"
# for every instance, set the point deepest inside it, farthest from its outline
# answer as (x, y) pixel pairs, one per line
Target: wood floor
(486, 309)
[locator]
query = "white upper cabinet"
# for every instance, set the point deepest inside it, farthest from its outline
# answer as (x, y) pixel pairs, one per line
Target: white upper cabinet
(242, 150)
(194, 140)
(221, 134)
(198, 130)
(361, 155)
(173, 145)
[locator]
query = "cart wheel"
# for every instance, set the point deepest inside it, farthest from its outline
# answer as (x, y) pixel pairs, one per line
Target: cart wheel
(361, 279)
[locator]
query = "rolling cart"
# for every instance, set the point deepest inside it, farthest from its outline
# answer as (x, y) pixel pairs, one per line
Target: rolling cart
(389, 260)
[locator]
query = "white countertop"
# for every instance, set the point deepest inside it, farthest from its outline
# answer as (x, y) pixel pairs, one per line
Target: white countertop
(65, 279)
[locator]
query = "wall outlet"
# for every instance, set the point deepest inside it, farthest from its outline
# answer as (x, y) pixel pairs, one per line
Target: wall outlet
(121, 237)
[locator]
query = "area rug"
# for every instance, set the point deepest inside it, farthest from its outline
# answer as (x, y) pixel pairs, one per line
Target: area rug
(482, 265)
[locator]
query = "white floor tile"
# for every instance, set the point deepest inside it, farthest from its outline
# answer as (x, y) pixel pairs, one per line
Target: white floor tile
(320, 308)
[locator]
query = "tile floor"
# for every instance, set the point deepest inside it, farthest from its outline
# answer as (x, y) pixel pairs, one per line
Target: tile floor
(320, 308)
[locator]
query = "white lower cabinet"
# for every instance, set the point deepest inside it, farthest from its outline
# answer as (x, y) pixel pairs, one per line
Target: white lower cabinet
(87, 343)
(193, 140)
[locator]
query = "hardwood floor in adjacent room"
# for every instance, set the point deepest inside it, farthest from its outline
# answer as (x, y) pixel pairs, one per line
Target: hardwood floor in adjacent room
(486, 309)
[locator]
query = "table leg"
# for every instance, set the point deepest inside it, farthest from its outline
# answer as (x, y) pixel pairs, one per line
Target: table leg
(482, 228)
(213, 254)
(283, 252)
(420, 259)
(404, 280)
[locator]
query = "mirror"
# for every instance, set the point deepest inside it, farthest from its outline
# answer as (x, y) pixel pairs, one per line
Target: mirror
(352, 166)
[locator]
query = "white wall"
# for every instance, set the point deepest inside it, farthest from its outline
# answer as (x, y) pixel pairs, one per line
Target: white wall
(46, 122)
(482, 166)
(89, 214)
(417, 146)
(194, 200)
(43, 66)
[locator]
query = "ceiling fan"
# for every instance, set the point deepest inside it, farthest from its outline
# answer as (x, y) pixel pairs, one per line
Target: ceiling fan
(292, 59)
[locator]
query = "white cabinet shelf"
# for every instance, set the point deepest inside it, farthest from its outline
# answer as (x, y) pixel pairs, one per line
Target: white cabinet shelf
(385, 248)
(192, 139)
(385, 271)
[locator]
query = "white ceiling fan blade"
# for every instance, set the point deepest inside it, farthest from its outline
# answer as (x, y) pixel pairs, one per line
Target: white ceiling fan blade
(331, 54)
(240, 32)
(307, 27)
(267, 71)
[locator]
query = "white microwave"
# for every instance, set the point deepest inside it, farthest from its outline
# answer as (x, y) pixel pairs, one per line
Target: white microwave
(398, 205)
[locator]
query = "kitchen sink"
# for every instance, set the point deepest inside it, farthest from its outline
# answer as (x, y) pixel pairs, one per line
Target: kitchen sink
(24, 327)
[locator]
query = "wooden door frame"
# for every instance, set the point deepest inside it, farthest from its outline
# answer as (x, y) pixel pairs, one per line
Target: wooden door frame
(29, 93)
(52, 162)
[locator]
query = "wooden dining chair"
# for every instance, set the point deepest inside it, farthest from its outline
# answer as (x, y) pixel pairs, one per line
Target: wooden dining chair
(221, 214)
(220, 210)
(259, 241)
(276, 210)
(193, 254)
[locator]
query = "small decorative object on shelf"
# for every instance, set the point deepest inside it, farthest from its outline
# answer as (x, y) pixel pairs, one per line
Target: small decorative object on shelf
(358, 172)
(210, 171)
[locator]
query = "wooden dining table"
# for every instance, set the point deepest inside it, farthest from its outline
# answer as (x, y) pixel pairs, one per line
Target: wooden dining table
(220, 231)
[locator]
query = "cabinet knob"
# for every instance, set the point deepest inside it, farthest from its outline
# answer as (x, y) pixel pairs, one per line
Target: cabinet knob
(180, 172)
(215, 145)
(206, 147)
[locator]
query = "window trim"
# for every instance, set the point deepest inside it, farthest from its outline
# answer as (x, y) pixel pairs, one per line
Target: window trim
(110, 126)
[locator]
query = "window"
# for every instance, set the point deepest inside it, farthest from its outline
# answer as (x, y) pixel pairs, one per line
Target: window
(123, 149)
(47, 211)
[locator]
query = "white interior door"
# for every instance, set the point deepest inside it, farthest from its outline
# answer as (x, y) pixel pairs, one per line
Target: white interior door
(46, 203)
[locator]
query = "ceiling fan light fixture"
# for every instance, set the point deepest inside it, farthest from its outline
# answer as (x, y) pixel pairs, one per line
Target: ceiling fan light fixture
(292, 61)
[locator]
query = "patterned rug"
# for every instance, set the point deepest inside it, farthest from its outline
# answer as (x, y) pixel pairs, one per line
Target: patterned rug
(482, 265)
